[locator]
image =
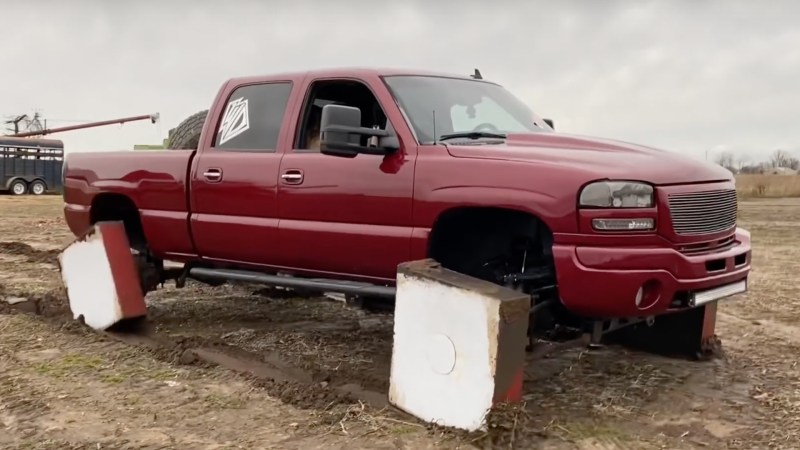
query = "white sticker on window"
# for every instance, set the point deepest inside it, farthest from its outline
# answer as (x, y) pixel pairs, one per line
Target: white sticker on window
(235, 121)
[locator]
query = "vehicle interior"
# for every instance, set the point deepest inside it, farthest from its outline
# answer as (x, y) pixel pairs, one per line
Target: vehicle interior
(340, 92)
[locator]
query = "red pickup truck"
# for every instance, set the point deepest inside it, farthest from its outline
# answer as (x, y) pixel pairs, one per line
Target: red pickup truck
(330, 179)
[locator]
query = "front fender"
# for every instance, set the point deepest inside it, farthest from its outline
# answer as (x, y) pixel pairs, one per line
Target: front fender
(558, 214)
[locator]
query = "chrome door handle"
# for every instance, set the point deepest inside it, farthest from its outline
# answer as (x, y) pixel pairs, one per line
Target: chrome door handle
(213, 174)
(292, 177)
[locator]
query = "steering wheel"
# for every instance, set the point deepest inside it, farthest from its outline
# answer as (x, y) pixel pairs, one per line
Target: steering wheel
(488, 125)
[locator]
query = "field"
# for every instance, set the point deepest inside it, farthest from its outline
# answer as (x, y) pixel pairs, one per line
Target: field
(768, 186)
(307, 373)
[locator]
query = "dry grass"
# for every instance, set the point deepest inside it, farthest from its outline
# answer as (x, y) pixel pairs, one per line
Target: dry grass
(768, 186)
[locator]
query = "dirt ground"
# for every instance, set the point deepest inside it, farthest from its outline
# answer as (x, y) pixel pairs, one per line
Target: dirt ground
(313, 372)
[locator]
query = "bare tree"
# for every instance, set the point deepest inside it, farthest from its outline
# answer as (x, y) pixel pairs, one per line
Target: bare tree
(727, 160)
(780, 158)
(742, 161)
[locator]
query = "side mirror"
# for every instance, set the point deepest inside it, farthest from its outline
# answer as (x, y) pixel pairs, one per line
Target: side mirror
(343, 135)
(549, 123)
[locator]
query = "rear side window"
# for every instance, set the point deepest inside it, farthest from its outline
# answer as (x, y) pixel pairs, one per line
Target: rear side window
(252, 117)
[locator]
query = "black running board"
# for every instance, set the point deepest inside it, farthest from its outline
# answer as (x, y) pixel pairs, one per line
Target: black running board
(321, 284)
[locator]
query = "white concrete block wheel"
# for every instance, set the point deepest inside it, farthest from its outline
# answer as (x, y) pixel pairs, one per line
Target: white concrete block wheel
(100, 276)
(459, 345)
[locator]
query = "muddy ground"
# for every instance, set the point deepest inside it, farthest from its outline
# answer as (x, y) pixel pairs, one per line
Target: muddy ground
(239, 366)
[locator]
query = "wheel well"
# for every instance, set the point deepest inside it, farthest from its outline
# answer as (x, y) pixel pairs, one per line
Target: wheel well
(460, 232)
(14, 180)
(114, 207)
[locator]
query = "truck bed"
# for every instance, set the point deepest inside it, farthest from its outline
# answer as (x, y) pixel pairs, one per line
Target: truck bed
(155, 181)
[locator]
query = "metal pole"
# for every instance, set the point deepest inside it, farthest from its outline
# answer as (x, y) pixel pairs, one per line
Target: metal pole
(152, 117)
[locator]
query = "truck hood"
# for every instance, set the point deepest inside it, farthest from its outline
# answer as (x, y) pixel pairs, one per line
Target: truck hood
(598, 158)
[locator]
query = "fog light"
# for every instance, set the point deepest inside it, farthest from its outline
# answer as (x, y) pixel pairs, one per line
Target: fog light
(639, 296)
(648, 295)
(623, 224)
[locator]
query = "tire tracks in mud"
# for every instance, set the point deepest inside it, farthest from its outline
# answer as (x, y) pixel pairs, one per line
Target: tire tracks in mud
(292, 385)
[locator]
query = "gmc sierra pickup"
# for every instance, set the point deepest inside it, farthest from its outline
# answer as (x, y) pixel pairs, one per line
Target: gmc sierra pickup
(330, 179)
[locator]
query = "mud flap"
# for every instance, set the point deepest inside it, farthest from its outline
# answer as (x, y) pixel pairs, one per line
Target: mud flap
(459, 345)
(101, 278)
(690, 333)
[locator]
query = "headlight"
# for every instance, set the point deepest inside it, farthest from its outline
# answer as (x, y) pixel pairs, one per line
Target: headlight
(617, 194)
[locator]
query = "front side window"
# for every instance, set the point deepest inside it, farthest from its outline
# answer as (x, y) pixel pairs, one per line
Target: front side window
(337, 92)
(454, 105)
(252, 117)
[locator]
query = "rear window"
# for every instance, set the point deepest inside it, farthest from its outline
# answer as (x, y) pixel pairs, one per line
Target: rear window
(252, 117)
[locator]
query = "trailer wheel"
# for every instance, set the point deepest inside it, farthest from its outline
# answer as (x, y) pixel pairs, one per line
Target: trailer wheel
(38, 187)
(19, 187)
(186, 136)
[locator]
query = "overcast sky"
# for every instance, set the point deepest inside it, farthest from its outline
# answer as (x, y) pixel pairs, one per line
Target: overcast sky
(687, 76)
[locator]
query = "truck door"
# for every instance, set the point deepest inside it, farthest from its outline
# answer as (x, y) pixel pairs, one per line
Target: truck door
(234, 180)
(348, 216)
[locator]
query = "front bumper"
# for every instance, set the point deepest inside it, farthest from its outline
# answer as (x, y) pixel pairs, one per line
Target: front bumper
(603, 282)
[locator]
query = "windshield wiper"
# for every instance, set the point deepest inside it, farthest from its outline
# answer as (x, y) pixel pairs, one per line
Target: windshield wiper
(472, 135)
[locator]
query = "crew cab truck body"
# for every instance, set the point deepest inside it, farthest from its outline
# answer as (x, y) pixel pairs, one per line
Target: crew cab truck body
(415, 165)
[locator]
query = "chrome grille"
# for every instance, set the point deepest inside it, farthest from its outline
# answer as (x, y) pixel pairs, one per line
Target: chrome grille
(706, 212)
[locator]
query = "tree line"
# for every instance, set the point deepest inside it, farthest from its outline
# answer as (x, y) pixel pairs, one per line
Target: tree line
(780, 159)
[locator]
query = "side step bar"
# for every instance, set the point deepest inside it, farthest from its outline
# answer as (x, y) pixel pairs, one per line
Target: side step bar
(321, 284)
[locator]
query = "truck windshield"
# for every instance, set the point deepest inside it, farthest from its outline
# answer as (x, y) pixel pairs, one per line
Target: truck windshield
(460, 106)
